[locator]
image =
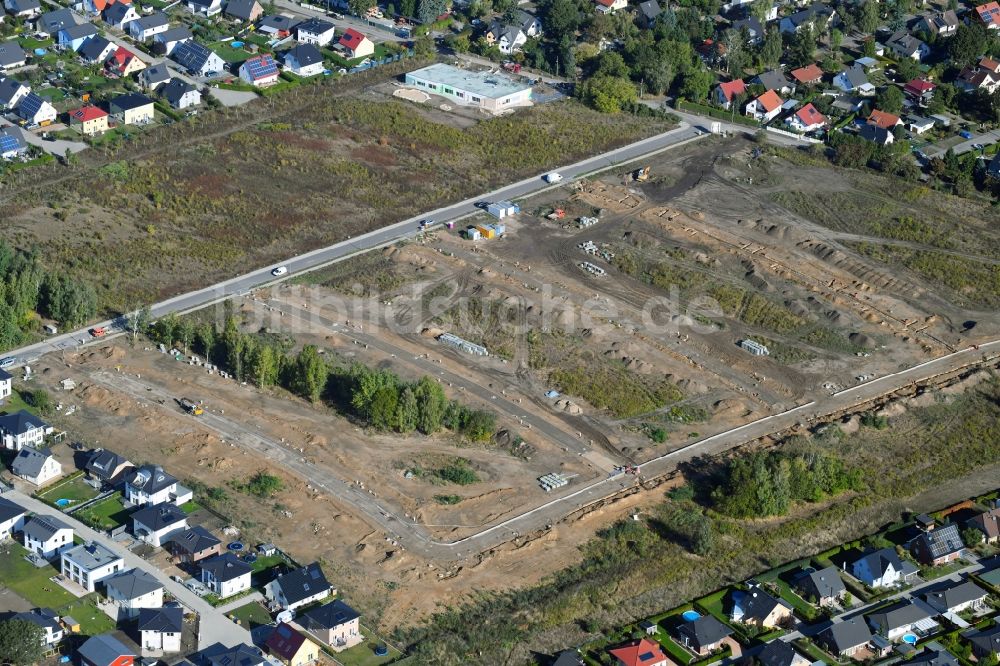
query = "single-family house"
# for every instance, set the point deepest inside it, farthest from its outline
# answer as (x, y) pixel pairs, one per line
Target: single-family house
(506, 37)
(132, 590)
(775, 80)
(277, 25)
(940, 24)
(23, 8)
(260, 71)
(22, 428)
(988, 14)
(96, 6)
(985, 642)
(96, 50)
(854, 80)
(155, 76)
(918, 124)
(847, 638)
(165, 42)
(225, 574)
(956, 597)
(906, 45)
(902, 617)
(119, 15)
(881, 568)
(530, 24)
(50, 23)
(11, 517)
(971, 79)
(765, 108)
(304, 60)
(193, 545)
(649, 12)
(12, 56)
(931, 657)
(315, 31)
(6, 379)
(204, 7)
(180, 94)
(810, 75)
(781, 653)
(609, 6)
(153, 523)
(920, 90)
(291, 647)
(12, 143)
(37, 466)
(641, 652)
(758, 608)
(198, 60)
(703, 635)
(47, 536)
(137, 109)
(754, 28)
(355, 44)
(816, 15)
(988, 523)
(568, 658)
(75, 36)
(822, 587)
(298, 588)
(12, 92)
(46, 620)
(806, 119)
(938, 546)
(727, 91)
(145, 28)
(990, 64)
(221, 655)
(883, 119)
(335, 623)
(105, 650)
(124, 63)
(149, 484)
(105, 465)
(246, 11)
(160, 630)
(89, 563)
(877, 135)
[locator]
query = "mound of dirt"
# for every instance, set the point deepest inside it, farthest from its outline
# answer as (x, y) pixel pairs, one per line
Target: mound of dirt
(757, 281)
(892, 409)
(729, 408)
(431, 332)
(798, 308)
(862, 340)
(851, 425)
(568, 406)
(833, 316)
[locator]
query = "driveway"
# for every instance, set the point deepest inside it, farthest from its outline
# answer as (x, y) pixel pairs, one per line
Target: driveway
(232, 97)
(57, 147)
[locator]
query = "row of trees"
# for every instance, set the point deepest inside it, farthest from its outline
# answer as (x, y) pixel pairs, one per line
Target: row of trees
(27, 289)
(378, 397)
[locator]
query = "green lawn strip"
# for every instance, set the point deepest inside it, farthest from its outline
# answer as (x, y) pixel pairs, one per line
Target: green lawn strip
(73, 488)
(265, 562)
(30, 582)
(93, 620)
(713, 604)
(14, 403)
(106, 514)
(190, 507)
(678, 653)
(364, 654)
(814, 651)
(931, 573)
(251, 615)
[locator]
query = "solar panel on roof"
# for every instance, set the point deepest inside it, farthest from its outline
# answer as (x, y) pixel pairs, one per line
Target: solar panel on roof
(645, 656)
(260, 68)
(8, 143)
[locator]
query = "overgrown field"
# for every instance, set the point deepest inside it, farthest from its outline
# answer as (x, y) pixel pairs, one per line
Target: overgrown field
(201, 209)
(687, 547)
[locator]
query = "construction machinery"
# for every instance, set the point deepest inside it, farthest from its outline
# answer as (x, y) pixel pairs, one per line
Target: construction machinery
(191, 407)
(641, 175)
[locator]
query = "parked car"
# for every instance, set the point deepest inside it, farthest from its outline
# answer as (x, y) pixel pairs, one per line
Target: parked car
(553, 177)
(965, 134)
(7, 361)
(280, 270)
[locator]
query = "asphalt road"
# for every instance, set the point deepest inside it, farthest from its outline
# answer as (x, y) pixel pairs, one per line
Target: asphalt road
(384, 236)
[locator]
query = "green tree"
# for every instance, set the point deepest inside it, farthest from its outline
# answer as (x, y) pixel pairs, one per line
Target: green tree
(360, 7)
(889, 99)
(971, 537)
(429, 10)
(263, 484)
(609, 94)
(407, 411)
(41, 401)
(967, 44)
(68, 301)
(869, 16)
(309, 373)
(20, 642)
(836, 39)
(407, 8)
(266, 366)
(382, 408)
(137, 322)
(611, 63)
(431, 405)
(771, 49)
(696, 84)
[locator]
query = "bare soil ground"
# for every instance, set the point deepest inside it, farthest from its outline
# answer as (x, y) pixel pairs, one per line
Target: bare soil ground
(701, 261)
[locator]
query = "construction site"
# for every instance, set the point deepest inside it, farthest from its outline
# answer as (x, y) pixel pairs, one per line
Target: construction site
(608, 326)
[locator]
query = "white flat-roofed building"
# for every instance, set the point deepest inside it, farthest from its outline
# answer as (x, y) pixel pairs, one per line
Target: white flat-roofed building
(489, 91)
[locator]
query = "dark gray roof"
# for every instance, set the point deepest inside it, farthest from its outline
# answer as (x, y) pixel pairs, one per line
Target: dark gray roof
(4, 375)
(953, 595)
(847, 634)
(650, 9)
(191, 55)
(53, 22)
(93, 48)
(568, 658)
(900, 614)
(220, 655)
(116, 13)
(154, 20)
(304, 54)
(45, 618)
(225, 567)
(823, 583)
(314, 26)
(167, 620)
(874, 133)
(777, 653)
(148, 478)
(20, 422)
(330, 615)
(133, 583)
(9, 86)
(159, 516)
(157, 73)
(102, 462)
(879, 560)
(174, 34)
(241, 9)
(278, 22)
(942, 541)
(43, 527)
(80, 31)
(29, 461)
(813, 11)
(18, 6)
(9, 510)
(753, 26)
(103, 650)
(755, 603)
(11, 53)
(193, 540)
(933, 658)
(986, 640)
(706, 630)
(175, 89)
(773, 80)
(302, 583)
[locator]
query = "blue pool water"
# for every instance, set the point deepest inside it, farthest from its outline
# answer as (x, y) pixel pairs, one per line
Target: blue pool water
(63, 502)
(237, 45)
(910, 638)
(690, 615)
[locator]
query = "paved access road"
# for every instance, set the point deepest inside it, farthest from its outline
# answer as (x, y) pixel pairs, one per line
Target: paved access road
(384, 236)
(214, 626)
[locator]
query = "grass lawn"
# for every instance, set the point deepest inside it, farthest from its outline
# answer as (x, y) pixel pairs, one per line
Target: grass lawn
(930, 573)
(93, 620)
(106, 514)
(676, 652)
(15, 403)
(30, 43)
(262, 563)
(228, 53)
(52, 94)
(190, 507)
(814, 651)
(364, 654)
(75, 489)
(252, 615)
(713, 604)
(805, 609)
(29, 581)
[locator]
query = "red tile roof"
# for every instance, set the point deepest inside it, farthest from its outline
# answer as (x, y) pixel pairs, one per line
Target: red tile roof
(809, 115)
(101, 5)
(808, 74)
(990, 64)
(882, 119)
(639, 653)
(284, 641)
(919, 86)
(770, 101)
(85, 113)
(732, 88)
(351, 39)
(989, 13)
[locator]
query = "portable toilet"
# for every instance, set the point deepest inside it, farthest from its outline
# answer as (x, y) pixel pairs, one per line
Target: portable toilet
(501, 209)
(451, 225)
(472, 233)
(486, 231)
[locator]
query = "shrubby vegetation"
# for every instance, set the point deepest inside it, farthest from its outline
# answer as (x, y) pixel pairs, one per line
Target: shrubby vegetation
(611, 386)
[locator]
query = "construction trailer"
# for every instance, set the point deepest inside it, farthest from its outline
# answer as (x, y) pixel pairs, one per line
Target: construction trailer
(754, 347)
(472, 233)
(502, 209)
(464, 345)
(486, 231)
